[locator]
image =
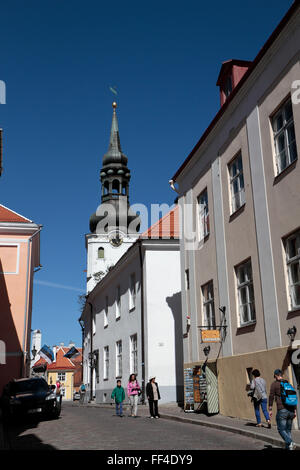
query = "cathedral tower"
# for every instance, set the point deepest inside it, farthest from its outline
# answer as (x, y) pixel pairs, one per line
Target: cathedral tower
(113, 227)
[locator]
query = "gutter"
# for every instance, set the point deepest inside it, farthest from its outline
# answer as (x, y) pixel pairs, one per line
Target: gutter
(91, 353)
(142, 320)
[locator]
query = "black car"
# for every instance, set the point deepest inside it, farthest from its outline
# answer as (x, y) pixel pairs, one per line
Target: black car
(30, 397)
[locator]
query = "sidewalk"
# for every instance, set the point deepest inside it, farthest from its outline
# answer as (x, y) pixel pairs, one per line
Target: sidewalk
(224, 423)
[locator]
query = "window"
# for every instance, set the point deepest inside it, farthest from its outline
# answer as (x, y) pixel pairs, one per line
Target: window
(293, 266)
(133, 354)
(284, 137)
(203, 215)
(106, 312)
(118, 302)
(228, 86)
(245, 293)
(132, 292)
(237, 187)
(106, 362)
(208, 305)
(119, 358)
(101, 253)
(61, 376)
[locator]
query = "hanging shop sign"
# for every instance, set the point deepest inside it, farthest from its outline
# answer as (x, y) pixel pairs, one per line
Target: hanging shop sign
(210, 336)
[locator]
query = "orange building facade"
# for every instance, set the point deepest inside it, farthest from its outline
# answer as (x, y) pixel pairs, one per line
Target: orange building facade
(19, 257)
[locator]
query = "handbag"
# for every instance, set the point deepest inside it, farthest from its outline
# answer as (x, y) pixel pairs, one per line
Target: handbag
(255, 394)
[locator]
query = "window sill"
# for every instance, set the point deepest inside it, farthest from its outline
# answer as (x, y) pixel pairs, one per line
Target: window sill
(246, 328)
(295, 312)
(118, 377)
(237, 212)
(118, 318)
(131, 309)
(105, 326)
(204, 239)
(285, 172)
(105, 380)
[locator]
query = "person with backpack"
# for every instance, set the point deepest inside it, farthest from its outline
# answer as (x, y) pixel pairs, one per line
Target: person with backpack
(286, 401)
(118, 394)
(259, 397)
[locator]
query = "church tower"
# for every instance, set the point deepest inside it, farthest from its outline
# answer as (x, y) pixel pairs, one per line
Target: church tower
(113, 227)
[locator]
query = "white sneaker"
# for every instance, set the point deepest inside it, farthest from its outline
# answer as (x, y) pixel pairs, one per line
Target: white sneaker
(292, 446)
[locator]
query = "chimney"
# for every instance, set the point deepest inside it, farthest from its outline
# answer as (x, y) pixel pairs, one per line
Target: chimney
(230, 74)
(54, 353)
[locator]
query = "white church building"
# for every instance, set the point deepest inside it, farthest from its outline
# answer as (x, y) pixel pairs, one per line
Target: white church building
(131, 319)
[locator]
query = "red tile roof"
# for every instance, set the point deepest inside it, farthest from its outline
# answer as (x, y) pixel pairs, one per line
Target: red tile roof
(8, 215)
(166, 227)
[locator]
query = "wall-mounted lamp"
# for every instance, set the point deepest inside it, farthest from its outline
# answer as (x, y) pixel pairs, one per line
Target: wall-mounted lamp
(291, 332)
(206, 350)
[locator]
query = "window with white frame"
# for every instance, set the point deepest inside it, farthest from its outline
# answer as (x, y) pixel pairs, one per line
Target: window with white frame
(132, 292)
(237, 186)
(284, 136)
(106, 312)
(101, 252)
(61, 376)
(292, 246)
(208, 306)
(245, 292)
(119, 358)
(105, 362)
(203, 215)
(118, 302)
(133, 354)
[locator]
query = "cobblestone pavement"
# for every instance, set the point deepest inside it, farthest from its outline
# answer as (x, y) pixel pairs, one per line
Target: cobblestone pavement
(87, 428)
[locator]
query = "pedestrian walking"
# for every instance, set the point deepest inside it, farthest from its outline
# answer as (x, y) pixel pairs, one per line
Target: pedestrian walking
(118, 394)
(153, 395)
(133, 392)
(82, 393)
(286, 407)
(259, 397)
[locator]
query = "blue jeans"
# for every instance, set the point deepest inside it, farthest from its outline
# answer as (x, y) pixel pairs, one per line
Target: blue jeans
(263, 404)
(284, 419)
(119, 405)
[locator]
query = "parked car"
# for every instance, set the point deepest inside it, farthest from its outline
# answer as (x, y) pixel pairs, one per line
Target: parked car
(30, 396)
(76, 396)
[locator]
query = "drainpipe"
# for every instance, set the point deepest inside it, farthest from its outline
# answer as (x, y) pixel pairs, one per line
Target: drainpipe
(29, 242)
(91, 353)
(142, 321)
(81, 323)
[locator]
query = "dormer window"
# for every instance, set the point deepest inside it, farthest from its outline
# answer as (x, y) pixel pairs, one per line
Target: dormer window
(230, 75)
(101, 253)
(228, 86)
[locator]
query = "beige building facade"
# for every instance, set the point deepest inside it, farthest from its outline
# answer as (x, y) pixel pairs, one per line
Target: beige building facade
(239, 195)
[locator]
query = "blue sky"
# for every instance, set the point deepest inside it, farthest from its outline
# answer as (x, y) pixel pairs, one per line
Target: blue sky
(58, 59)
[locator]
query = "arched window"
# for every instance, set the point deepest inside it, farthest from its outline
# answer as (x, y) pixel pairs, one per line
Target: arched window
(101, 252)
(106, 187)
(116, 187)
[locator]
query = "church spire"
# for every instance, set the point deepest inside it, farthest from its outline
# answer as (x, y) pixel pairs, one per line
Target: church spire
(114, 177)
(114, 153)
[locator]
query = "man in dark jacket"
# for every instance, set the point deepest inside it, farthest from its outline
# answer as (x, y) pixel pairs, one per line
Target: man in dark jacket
(285, 414)
(153, 395)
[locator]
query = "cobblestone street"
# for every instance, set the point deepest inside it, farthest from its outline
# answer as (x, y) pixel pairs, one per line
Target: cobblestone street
(87, 428)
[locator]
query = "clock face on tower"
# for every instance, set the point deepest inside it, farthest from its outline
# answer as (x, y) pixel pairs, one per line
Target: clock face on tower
(115, 238)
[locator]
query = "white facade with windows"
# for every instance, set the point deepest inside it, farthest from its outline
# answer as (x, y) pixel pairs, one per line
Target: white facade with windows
(137, 309)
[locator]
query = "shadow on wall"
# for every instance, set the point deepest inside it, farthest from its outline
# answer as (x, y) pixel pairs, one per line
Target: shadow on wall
(174, 303)
(8, 334)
